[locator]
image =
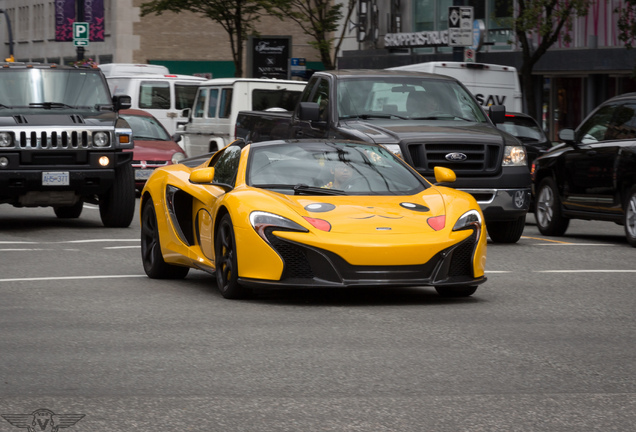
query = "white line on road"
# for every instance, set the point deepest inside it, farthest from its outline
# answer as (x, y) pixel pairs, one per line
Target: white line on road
(70, 241)
(70, 278)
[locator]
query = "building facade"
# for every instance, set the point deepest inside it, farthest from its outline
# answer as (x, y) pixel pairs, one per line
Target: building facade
(185, 42)
(569, 80)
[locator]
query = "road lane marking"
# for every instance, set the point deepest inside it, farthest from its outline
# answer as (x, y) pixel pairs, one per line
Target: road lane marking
(584, 271)
(548, 240)
(70, 241)
(71, 278)
(123, 247)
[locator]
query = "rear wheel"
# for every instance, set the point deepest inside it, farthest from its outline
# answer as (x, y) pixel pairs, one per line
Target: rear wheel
(70, 212)
(456, 291)
(506, 231)
(630, 217)
(226, 261)
(117, 206)
(151, 257)
(547, 211)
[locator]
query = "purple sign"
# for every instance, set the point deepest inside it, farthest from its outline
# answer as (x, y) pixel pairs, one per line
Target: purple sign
(65, 17)
(94, 16)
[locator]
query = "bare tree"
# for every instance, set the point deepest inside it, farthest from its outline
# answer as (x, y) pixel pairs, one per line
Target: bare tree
(550, 20)
(238, 18)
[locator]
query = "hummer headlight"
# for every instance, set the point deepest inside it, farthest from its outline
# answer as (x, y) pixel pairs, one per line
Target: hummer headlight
(101, 139)
(6, 140)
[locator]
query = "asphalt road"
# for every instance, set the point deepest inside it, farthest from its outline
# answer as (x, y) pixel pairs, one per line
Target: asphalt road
(547, 344)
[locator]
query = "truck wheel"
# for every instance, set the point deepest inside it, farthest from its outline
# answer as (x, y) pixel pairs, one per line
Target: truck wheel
(630, 217)
(547, 210)
(117, 206)
(456, 291)
(151, 257)
(69, 212)
(506, 231)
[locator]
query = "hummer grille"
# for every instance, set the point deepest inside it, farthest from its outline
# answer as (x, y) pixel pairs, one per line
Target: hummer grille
(56, 139)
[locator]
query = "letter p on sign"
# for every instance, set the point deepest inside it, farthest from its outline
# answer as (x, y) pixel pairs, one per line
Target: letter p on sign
(80, 33)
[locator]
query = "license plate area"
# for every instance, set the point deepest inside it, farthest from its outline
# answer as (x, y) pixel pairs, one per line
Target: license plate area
(55, 178)
(143, 174)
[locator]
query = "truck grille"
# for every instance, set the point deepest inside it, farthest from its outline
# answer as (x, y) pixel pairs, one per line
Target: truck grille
(480, 158)
(50, 140)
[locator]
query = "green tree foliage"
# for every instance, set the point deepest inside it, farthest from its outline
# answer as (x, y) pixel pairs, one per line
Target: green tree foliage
(627, 23)
(550, 20)
(318, 19)
(238, 18)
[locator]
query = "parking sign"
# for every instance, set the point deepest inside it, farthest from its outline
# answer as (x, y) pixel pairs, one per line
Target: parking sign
(80, 33)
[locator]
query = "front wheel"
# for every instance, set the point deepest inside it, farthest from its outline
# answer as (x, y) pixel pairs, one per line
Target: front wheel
(547, 210)
(630, 217)
(117, 206)
(506, 231)
(226, 261)
(70, 212)
(151, 257)
(456, 291)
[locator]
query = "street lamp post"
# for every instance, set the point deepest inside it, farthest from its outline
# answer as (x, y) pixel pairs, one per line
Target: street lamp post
(80, 18)
(6, 16)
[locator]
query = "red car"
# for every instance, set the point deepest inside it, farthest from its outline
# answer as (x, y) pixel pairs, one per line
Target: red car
(154, 147)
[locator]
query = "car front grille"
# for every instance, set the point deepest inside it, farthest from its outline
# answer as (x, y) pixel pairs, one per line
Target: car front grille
(480, 158)
(56, 140)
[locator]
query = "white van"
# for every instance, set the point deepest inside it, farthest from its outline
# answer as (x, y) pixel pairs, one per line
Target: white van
(110, 69)
(163, 95)
(211, 124)
(490, 84)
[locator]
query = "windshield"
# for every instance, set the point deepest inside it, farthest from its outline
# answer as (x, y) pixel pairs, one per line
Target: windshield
(46, 89)
(146, 128)
(320, 168)
(406, 97)
(523, 128)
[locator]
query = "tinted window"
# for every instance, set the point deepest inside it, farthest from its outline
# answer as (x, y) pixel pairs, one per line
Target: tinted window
(199, 107)
(265, 99)
(611, 122)
(184, 95)
(321, 97)
(154, 95)
(226, 167)
(146, 128)
(225, 108)
(522, 127)
(213, 97)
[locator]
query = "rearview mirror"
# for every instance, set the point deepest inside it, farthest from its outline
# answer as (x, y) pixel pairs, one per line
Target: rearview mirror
(497, 113)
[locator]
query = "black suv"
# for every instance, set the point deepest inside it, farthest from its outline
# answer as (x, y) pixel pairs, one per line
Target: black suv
(62, 142)
(592, 175)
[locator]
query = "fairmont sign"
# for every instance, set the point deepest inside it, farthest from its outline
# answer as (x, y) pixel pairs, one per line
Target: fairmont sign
(418, 39)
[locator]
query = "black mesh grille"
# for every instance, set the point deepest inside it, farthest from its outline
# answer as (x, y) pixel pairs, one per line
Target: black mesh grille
(462, 259)
(294, 257)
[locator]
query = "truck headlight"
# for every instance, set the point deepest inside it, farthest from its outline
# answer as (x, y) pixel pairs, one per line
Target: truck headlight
(515, 156)
(6, 140)
(100, 139)
(394, 148)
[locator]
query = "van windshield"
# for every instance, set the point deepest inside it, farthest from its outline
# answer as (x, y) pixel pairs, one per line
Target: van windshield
(415, 98)
(53, 89)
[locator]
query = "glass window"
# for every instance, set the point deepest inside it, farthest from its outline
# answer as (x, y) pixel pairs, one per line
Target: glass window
(154, 95)
(226, 166)
(321, 97)
(212, 104)
(184, 95)
(611, 122)
(226, 103)
(146, 128)
(263, 99)
(201, 101)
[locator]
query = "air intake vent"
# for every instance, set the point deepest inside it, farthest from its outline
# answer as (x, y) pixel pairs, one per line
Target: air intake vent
(20, 119)
(77, 119)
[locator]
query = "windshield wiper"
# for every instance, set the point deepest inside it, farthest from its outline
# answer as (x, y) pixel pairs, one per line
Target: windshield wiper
(302, 189)
(4, 106)
(49, 105)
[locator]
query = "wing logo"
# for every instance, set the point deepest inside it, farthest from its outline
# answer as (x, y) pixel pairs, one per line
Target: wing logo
(42, 420)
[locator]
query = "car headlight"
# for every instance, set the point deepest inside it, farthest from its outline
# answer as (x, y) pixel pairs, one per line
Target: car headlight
(177, 157)
(394, 148)
(469, 220)
(262, 221)
(6, 140)
(515, 156)
(101, 139)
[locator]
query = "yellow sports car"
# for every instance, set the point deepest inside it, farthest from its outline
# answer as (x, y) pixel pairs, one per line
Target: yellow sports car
(310, 213)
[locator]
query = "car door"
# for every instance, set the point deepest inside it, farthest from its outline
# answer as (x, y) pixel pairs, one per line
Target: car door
(591, 167)
(317, 92)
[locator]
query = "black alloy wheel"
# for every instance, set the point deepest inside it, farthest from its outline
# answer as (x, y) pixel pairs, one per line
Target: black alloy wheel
(226, 262)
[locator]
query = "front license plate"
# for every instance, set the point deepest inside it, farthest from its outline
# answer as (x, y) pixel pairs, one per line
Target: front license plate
(55, 178)
(143, 174)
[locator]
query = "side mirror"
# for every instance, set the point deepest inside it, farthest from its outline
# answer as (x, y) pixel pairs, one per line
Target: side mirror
(497, 113)
(309, 111)
(121, 102)
(186, 112)
(566, 135)
(444, 175)
(177, 137)
(202, 175)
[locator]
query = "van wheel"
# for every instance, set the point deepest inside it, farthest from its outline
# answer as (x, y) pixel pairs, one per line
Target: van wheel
(630, 217)
(506, 231)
